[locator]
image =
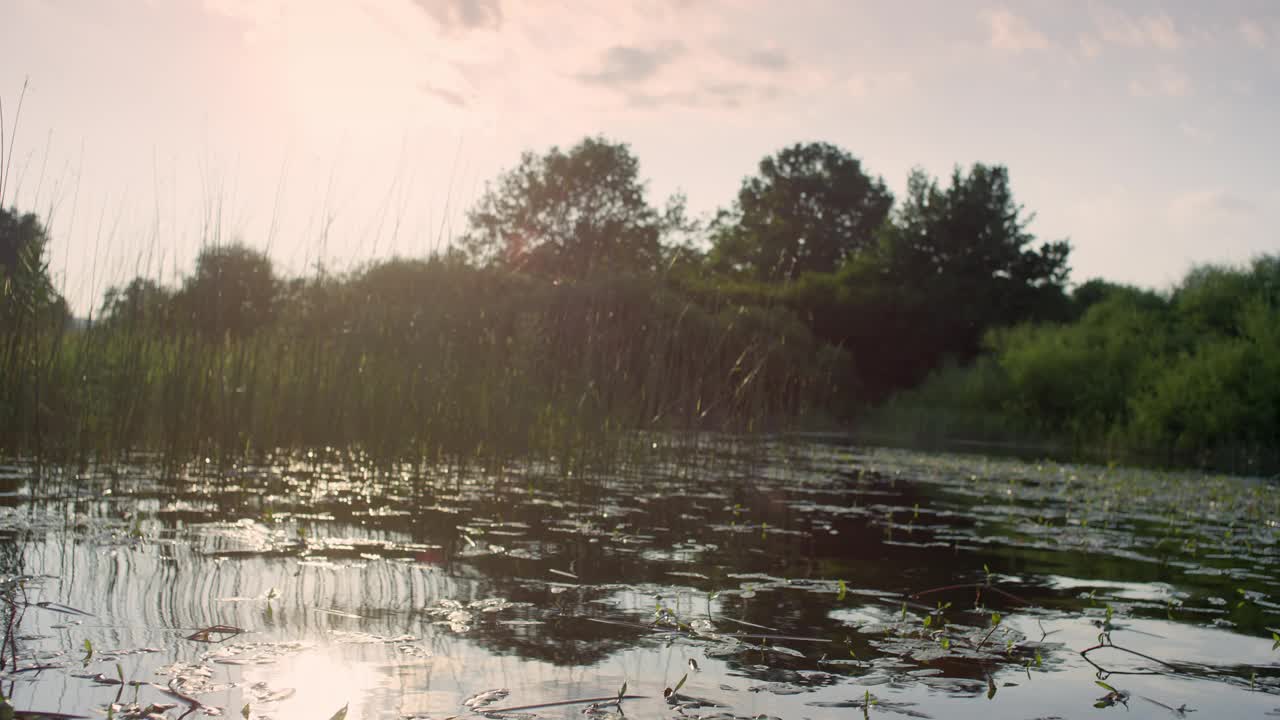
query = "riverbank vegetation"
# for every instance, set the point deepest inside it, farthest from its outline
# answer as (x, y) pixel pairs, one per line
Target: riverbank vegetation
(573, 309)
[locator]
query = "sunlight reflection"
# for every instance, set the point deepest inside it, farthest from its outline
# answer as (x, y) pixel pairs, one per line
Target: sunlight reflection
(322, 683)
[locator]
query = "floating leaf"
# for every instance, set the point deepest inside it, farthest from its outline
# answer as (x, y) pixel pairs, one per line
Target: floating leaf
(341, 714)
(841, 591)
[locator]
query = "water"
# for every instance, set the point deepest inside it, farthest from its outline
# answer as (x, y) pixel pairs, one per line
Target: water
(783, 580)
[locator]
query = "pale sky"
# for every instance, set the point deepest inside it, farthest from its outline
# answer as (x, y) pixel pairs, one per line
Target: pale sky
(345, 130)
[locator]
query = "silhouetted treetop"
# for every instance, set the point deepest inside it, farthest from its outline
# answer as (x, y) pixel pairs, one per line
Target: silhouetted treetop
(25, 287)
(567, 214)
(232, 291)
(810, 207)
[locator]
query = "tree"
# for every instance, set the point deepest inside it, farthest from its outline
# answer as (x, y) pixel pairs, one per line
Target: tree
(953, 263)
(571, 214)
(25, 288)
(142, 304)
(232, 291)
(808, 209)
(966, 253)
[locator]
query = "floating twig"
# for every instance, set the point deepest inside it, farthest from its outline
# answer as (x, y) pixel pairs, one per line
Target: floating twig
(1101, 670)
(979, 586)
(58, 607)
(611, 700)
(222, 633)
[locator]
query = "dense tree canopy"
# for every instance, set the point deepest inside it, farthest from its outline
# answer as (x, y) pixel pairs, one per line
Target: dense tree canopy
(141, 303)
(232, 291)
(25, 288)
(811, 294)
(571, 214)
(810, 207)
(960, 259)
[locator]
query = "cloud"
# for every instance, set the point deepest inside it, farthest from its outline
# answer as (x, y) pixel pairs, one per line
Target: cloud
(1195, 132)
(768, 59)
(861, 85)
(1253, 33)
(1013, 33)
(1165, 81)
(1089, 46)
(464, 14)
(1210, 206)
(450, 97)
(718, 95)
(626, 66)
(1145, 32)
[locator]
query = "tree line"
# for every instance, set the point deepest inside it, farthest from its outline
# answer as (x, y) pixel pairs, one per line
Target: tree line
(815, 294)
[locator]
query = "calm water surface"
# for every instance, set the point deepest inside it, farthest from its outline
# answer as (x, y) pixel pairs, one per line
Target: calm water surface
(791, 580)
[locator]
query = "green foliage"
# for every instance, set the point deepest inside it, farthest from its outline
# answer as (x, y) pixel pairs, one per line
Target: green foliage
(419, 358)
(1192, 376)
(233, 291)
(25, 288)
(810, 207)
(572, 214)
(1076, 378)
(142, 304)
(959, 260)
(574, 314)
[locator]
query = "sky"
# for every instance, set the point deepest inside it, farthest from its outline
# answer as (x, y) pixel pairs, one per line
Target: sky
(333, 132)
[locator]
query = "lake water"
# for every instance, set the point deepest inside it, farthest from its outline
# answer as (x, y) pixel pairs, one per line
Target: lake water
(790, 580)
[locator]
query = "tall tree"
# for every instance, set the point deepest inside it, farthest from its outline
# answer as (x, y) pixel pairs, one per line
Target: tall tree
(570, 214)
(143, 303)
(968, 246)
(232, 291)
(953, 263)
(25, 287)
(809, 208)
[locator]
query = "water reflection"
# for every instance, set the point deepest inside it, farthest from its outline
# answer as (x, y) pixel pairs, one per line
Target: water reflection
(791, 575)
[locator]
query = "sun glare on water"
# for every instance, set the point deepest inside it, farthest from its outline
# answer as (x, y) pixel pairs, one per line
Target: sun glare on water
(311, 685)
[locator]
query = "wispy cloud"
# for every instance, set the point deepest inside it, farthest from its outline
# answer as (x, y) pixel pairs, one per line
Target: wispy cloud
(625, 66)
(1210, 205)
(1013, 33)
(1195, 132)
(1254, 34)
(450, 97)
(1089, 46)
(769, 59)
(1158, 32)
(1165, 81)
(464, 14)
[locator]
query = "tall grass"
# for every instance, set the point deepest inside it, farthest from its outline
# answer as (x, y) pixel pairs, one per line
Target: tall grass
(414, 358)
